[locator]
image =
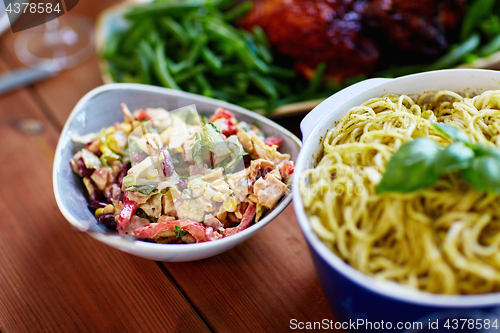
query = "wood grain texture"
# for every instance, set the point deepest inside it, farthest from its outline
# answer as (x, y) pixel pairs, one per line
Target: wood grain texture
(55, 279)
(260, 285)
(58, 95)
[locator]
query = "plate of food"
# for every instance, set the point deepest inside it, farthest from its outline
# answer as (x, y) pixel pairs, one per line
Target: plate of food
(397, 195)
(173, 186)
(280, 58)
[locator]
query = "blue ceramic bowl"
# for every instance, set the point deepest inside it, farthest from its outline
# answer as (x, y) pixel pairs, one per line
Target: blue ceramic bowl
(356, 298)
(100, 108)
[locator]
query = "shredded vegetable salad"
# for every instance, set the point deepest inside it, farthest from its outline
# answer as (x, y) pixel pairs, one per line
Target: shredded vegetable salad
(177, 178)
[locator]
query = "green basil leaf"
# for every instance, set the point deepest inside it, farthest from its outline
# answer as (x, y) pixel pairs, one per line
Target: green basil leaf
(143, 189)
(179, 232)
(454, 158)
(451, 132)
(411, 167)
(484, 173)
(481, 150)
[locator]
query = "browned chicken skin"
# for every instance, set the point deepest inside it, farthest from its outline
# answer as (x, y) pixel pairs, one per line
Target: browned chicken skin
(417, 26)
(347, 34)
(316, 31)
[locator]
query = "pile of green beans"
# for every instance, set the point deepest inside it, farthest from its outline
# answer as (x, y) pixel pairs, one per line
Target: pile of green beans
(192, 45)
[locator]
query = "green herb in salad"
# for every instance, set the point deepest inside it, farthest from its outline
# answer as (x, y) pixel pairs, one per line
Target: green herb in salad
(177, 171)
(179, 232)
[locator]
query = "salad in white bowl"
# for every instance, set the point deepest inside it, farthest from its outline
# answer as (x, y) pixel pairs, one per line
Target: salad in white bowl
(179, 178)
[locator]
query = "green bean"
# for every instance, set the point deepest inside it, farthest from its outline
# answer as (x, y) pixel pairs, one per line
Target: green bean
(124, 63)
(135, 34)
(173, 9)
(196, 49)
(301, 97)
(193, 88)
(210, 58)
(161, 68)
(191, 57)
(229, 70)
(242, 82)
(221, 95)
(112, 45)
(282, 88)
(490, 48)
(115, 74)
(247, 52)
(251, 60)
(238, 11)
(225, 4)
(476, 12)
(206, 88)
(317, 78)
(281, 72)
(394, 71)
(260, 36)
(147, 50)
(144, 61)
(128, 78)
(469, 58)
(197, 22)
(175, 29)
(249, 41)
(153, 37)
(190, 44)
(224, 48)
(189, 27)
(265, 54)
(263, 84)
(354, 79)
(455, 55)
(256, 104)
(177, 68)
(191, 72)
(229, 89)
(288, 100)
(222, 30)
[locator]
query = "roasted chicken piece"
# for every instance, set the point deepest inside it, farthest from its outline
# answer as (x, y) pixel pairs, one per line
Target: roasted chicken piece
(420, 27)
(348, 34)
(315, 31)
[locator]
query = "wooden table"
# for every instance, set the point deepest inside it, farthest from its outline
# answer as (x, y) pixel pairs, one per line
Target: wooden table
(56, 279)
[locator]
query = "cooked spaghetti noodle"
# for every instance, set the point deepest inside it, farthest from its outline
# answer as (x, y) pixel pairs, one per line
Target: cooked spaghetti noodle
(443, 239)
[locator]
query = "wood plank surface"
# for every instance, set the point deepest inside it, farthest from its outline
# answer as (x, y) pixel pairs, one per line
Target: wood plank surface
(55, 279)
(59, 94)
(260, 285)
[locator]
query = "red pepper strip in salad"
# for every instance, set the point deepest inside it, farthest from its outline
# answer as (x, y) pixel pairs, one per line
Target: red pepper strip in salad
(287, 168)
(195, 229)
(229, 128)
(221, 113)
(246, 220)
(143, 115)
(129, 208)
(273, 141)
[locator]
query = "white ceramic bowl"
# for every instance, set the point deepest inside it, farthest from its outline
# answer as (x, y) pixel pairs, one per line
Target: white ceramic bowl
(342, 283)
(100, 108)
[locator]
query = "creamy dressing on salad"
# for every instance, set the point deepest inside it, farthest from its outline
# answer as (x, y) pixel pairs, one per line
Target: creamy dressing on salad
(173, 177)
